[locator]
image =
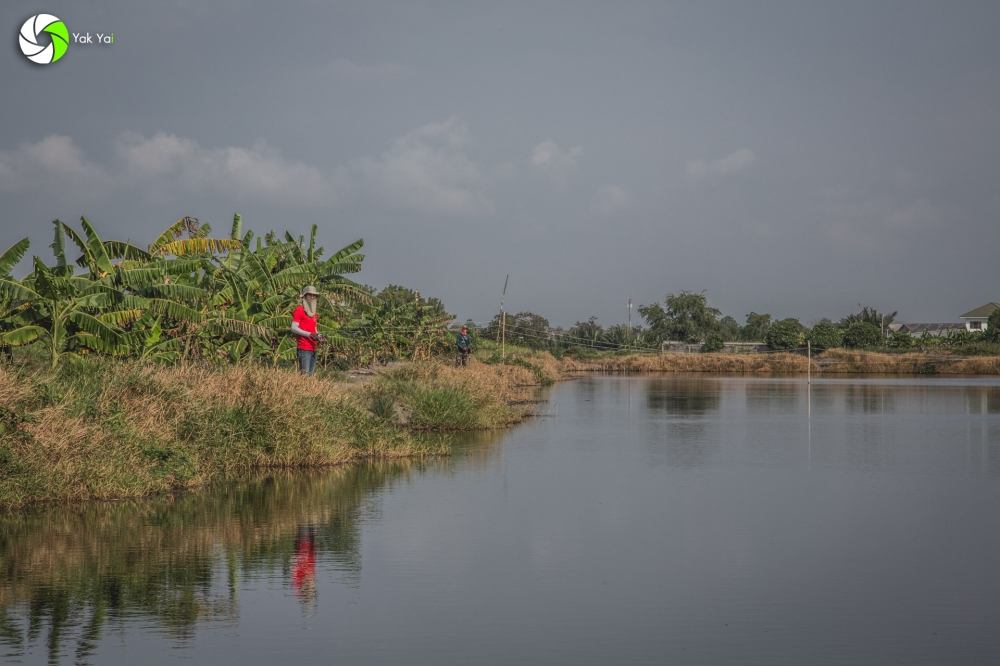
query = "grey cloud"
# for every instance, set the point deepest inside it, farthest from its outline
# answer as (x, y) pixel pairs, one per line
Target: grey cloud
(556, 162)
(734, 162)
(55, 164)
(428, 170)
(169, 162)
(611, 199)
(350, 70)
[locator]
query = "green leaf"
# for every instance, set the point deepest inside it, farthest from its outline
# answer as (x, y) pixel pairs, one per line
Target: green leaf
(181, 292)
(126, 251)
(195, 246)
(22, 336)
(96, 246)
(120, 318)
(12, 255)
(138, 278)
(168, 235)
(241, 327)
(164, 307)
(91, 324)
(11, 288)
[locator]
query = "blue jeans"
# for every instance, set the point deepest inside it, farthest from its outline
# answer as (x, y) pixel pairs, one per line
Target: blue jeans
(307, 361)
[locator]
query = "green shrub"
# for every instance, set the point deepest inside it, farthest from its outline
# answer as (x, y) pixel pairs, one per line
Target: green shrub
(713, 343)
(901, 340)
(992, 332)
(862, 334)
(784, 334)
(442, 408)
(826, 335)
(383, 405)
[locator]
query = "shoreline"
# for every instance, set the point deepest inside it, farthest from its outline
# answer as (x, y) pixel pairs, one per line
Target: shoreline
(119, 430)
(831, 362)
(113, 431)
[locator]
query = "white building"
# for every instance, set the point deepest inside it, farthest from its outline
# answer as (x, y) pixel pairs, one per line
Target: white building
(975, 320)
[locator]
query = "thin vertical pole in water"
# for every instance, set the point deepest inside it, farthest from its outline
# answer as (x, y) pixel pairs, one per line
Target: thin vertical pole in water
(503, 322)
(809, 356)
(630, 320)
(809, 400)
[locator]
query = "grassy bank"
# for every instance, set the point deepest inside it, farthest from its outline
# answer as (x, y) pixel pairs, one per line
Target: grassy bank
(108, 430)
(834, 361)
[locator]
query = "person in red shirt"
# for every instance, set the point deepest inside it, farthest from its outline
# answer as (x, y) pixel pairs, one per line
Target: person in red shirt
(304, 327)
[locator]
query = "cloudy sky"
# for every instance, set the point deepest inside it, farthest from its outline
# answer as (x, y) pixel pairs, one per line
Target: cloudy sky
(787, 157)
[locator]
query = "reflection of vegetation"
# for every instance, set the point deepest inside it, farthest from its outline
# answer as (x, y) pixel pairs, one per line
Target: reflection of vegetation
(870, 398)
(76, 569)
(682, 396)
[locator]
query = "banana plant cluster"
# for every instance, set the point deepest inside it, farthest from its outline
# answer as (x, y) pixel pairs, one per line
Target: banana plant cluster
(398, 322)
(187, 295)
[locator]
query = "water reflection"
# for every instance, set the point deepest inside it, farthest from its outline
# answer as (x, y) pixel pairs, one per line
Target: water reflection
(304, 568)
(71, 572)
(870, 398)
(686, 438)
(696, 519)
(683, 396)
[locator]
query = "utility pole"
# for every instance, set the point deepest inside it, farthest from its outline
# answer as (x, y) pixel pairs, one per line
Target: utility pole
(630, 320)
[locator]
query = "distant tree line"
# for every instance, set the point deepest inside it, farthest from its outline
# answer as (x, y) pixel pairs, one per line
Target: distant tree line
(688, 317)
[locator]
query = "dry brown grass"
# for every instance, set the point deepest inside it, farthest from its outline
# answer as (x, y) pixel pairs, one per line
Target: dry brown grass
(721, 363)
(834, 361)
(848, 361)
(121, 430)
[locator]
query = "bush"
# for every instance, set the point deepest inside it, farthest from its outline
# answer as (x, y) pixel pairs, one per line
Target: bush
(992, 333)
(901, 340)
(862, 334)
(442, 408)
(784, 334)
(826, 335)
(713, 343)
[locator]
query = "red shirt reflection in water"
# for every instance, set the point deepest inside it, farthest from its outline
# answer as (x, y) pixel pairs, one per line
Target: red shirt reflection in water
(304, 569)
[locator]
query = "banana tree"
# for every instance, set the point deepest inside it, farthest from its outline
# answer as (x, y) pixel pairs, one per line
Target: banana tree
(14, 330)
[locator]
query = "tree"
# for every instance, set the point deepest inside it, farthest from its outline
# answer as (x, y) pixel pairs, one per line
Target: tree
(862, 334)
(785, 334)
(880, 320)
(529, 330)
(713, 343)
(992, 332)
(901, 340)
(826, 335)
(756, 327)
(524, 328)
(687, 317)
(621, 336)
(585, 333)
(729, 329)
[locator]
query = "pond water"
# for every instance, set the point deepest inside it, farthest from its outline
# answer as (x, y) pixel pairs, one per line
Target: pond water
(680, 519)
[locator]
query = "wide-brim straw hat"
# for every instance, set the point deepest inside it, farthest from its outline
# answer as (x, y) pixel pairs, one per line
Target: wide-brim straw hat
(309, 290)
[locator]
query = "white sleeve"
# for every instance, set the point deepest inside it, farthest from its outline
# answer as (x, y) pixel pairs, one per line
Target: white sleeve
(297, 330)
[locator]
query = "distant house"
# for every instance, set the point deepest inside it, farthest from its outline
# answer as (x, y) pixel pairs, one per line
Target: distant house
(975, 320)
(929, 330)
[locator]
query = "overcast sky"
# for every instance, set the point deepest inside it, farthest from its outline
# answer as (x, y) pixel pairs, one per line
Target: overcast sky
(787, 157)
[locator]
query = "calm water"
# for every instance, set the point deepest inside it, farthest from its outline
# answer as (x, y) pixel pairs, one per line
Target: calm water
(689, 520)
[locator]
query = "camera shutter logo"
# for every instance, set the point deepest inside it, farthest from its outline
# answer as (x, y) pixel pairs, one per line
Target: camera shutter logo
(32, 30)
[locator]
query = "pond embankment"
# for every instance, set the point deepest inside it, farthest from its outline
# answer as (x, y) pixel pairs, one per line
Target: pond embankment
(831, 362)
(108, 430)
